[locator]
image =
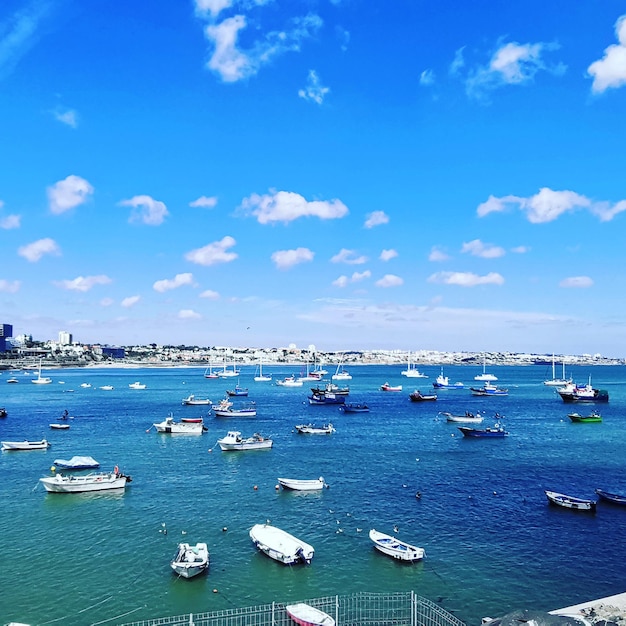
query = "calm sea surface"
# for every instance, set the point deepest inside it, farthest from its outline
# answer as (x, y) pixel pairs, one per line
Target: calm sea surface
(492, 542)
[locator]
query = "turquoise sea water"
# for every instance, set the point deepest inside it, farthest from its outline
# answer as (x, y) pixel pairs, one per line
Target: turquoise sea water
(492, 542)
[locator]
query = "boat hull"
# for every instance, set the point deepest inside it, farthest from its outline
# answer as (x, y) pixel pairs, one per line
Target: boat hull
(84, 484)
(395, 548)
(234, 442)
(280, 545)
(307, 615)
(190, 561)
(480, 432)
(569, 502)
(294, 484)
(25, 445)
(613, 498)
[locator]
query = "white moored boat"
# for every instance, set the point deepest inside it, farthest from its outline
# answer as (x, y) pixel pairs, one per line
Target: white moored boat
(226, 409)
(467, 418)
(280, 545)
(189, 561)
(41, 380)
(395, 548)
(96, 481)
(302, 485)
(307, 615)
(289, 381)
(191, 400)
(310, 429)
(234, 441)
(77, 463)
(137, 385)
(176, 428)
(25, 445)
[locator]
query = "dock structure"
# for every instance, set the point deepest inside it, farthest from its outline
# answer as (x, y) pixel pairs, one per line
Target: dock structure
(608, 609)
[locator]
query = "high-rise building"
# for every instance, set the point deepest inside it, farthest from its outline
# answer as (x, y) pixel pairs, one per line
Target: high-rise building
(65, 338)
(6, 330)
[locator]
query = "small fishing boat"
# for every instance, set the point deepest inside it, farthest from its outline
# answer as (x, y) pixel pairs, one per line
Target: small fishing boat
(613, 498)
(388, 387)
(234, 441)
(331, 388)
(354, 407)
(490, 431)
(418, 396)
(468, 417)
(192, 420)
(326, 398)
(289, 381)
(12, 380)
(570, 502)
(137, 385)
(295, 484)
(237, 391)
(395, 548)
(189, 561)
(572, 393)
(96, 481)
(309, 429)
(25, 445)
(77, 463)
(593, 417)
(3, 412)
(107, 387)
(411, 371)
(170, 427)
(280, 545)
(489, 390)
(307, 615)
(443, 382)
(191, 400)
(226, 409)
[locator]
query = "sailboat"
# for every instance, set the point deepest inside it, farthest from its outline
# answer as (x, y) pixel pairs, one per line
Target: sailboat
(557, 382)
(41, 380)
(259, 378)
(226, 373)
(485, 375)
(340, 373)
(411, 371)
(209, 373)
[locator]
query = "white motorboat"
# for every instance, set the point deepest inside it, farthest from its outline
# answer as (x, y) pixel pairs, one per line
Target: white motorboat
(467, 418)
(189, 561)
(107, 387)
(226, 409)
(290, 381)
(137, 385)
(395, 548)
(443, 382)
(96, 481)
(77, 463)
(171, 427)
(26, 445)
(307, 615)
(280, 545)
(191, 400)
(570, 502)
(309, 429)
(234, 441)
(411, 371)
(41, 380)
(60, 426)
(295, 484)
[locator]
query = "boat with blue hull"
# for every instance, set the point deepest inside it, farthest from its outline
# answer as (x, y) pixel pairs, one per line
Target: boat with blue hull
(443, 382)
(491, 431)
(354, 407)
(572, 393)
(613, 498)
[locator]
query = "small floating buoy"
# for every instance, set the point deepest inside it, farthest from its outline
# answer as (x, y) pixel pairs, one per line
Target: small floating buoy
(404, 486)
(395, 529)
(277, 487)
(418, 495)
(358, 530)
(224, 529)
(255, 487)
(495, 493)
(53, 469)
(214, 590)
(183, 532)
(210, 450)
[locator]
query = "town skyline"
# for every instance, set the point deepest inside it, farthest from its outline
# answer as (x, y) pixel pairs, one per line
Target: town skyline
(343, 174)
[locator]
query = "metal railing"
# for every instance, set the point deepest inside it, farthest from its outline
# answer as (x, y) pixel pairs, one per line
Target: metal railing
(361, 609)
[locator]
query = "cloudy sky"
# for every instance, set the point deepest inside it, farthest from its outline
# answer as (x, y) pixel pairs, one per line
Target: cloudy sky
(351, 174)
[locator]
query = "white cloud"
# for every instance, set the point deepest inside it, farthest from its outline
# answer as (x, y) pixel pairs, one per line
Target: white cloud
(10, 222)
(178, 281)
(188, 314)
(68, 193)
(213, 7)
(511, 64)
(389, 280)
(610, 70)
(314, 90)
(577, 282)
(359, 276)
(497, 205)
(376, 218)
(606, 212)
(146, 210)
(209, 294)
(387, 255)
(69, 117)
(204, 202)
(458, 62)
(520, 249)
(107, 302)
(232, 64)
(349, 257)
(34, 251)
(427, 78)
(284, 259)
(466, 279)
(484, 250)
(286, 206)
(9, 286)
(437, 254)
(130, 301)
(342, 281)
(213, 253)
(83, 283)
(19, 33)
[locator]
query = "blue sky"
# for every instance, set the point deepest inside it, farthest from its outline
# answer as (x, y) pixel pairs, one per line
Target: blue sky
(406, 175)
